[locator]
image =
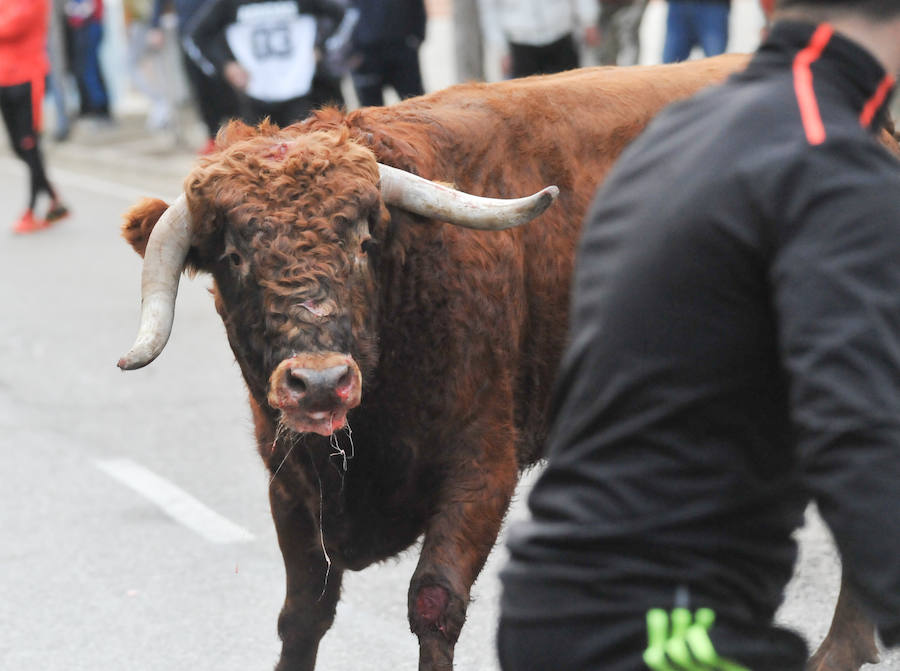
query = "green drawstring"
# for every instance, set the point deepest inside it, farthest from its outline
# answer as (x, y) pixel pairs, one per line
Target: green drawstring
(680, 642)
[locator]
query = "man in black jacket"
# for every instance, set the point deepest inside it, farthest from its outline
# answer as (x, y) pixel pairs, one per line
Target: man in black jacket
(734, 353)
(386, 40)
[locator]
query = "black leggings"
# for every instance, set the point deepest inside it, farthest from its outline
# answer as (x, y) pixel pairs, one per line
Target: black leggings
(16, 106)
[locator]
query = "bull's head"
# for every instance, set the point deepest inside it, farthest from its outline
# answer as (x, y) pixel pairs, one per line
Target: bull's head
(285, 223)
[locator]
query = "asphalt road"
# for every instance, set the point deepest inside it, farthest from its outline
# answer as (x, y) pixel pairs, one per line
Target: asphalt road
(133, 512)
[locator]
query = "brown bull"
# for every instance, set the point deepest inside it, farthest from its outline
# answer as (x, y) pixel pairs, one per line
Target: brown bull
(398, 366)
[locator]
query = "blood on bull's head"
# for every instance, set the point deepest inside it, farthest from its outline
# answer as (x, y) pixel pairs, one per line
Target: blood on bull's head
(286, 223)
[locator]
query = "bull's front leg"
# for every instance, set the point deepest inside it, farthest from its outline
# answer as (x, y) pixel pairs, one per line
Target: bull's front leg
(313, 585)
(850, 642)
(458, 539)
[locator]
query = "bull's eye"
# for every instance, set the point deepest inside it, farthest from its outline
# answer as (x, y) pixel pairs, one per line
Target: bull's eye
(235, 259)
(367, 246)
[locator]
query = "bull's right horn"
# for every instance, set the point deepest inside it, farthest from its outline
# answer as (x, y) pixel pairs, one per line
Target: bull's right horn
(431, 199)
(164, 259)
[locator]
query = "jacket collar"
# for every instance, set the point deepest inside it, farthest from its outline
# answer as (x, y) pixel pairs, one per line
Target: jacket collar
(850, 67)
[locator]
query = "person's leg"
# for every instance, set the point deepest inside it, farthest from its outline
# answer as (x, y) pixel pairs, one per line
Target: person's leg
(216, 101)
(204, 94)
(20, 107)
(403, 72)
(561, 55)
(368, 78)
(56, 87)
(679, 35)
(712, 27)
(78, 43)
(608, 49)
(526, 60)
(253, 111)
(629, 31)
(290, 111)
(93, 76)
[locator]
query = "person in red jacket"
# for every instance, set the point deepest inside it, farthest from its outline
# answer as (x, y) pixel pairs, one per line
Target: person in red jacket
(23, 67)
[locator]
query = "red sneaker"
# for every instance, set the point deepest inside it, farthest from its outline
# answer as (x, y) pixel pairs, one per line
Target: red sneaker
(27, 223)
(57, 212)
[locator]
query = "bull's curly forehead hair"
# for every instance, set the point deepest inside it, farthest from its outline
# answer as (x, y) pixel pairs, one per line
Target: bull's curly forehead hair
(266, 165)
(870, 9)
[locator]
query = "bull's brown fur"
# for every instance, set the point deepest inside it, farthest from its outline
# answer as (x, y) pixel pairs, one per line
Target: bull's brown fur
(457, 332)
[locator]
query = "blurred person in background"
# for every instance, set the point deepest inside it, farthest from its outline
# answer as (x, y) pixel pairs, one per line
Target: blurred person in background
(56, 78)
(386, 43)
(538, 36)
(268, 51)
(84, 23)
(696, 23)
(619, 41)
(145, 66)
(336, 58)
(468, 41)
(215, 99)
(23, 67)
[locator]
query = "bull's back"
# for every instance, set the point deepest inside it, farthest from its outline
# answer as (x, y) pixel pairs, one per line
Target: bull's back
(512, 138)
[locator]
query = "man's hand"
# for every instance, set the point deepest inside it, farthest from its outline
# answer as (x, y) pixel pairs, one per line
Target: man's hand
(236, 75)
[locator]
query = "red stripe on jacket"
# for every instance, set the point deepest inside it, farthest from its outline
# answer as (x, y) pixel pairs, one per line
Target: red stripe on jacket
(877, 99)
(803, 84)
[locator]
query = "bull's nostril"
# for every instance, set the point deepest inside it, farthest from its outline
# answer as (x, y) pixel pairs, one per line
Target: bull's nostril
(297, 381)
(345, 379)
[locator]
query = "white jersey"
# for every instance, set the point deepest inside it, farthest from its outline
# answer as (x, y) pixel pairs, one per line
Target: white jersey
(275, 43)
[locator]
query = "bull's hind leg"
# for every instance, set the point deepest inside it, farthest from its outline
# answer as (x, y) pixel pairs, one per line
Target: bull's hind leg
(457, 542)
(850, 642)
(313, 586)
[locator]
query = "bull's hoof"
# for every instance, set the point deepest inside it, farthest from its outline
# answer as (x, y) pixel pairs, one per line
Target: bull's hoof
(842, 658)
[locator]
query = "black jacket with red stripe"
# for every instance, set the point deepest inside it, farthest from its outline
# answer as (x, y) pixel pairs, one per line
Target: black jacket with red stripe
(734, 353)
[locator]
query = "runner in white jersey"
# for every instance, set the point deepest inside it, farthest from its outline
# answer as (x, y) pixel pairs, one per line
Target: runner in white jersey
(268, 51)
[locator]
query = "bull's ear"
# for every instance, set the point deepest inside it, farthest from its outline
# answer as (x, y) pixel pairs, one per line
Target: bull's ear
(139, 222)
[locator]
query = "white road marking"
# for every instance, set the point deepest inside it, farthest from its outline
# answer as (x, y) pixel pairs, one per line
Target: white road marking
(175, 502)
(97, 185)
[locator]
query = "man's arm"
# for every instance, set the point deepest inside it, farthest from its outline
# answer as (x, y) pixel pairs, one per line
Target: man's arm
(206, 30)
(419, 19)
(836, 281)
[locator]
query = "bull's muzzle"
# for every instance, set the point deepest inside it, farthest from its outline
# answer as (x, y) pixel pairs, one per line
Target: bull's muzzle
(314, 392)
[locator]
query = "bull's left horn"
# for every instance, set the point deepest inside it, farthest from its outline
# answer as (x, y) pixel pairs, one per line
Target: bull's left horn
(164, 259)
(436, 201)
